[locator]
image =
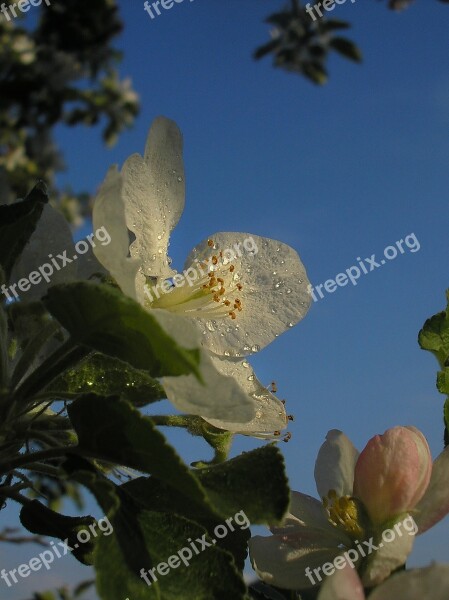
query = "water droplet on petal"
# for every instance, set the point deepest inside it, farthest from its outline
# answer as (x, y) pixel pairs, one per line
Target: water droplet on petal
(255, 348)
(250, 378)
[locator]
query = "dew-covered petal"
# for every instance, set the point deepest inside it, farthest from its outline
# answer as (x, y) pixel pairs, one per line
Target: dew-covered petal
(220, 397)
(270, 411)
(51, 240)
(153, 192)
(334, 467)
(390, 555)
(278, 563)
(429, 583)
(344, 584)
(434, 505)
(108, 213)
(274, 291)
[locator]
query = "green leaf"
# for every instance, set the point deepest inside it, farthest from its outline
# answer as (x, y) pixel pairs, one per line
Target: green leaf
(434, 336)
(44, 596)
(4, 346)
(17, 223)
(40, 520)
(157, 496)
(112, 430)
(346, 48)
(210, 574)
(446, 423)
(142, 539)
(103, 375)
(104, 319)
(334, 24)
(254, 482)
(443, 381)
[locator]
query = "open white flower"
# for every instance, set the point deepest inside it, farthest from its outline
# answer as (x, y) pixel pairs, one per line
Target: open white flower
(236, 294)
(389, 486)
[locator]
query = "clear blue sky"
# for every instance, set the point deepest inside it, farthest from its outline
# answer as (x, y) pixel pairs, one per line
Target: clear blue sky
(337, 172)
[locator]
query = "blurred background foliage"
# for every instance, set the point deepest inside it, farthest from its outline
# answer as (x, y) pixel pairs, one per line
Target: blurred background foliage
(301, 40)
(58, 65)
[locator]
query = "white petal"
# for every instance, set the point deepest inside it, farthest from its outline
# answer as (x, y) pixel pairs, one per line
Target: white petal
(307, 514)
(153, 192)
(51, 236)
(429, 583)
(344, 584)
(108, 212)
(274, 294)
(390, 555)
(270, 412)
(334, 467)
(434, 505)
(279, 564)
(220, 397)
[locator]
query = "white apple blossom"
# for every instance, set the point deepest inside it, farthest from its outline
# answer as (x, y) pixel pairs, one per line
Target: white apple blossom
(390, 482)
(236, 304)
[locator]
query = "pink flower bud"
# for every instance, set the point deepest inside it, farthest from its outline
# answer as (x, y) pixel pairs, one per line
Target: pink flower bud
(393, 472)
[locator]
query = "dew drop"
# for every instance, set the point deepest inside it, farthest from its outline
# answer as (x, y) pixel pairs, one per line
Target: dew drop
(250, 378)
(255, 348)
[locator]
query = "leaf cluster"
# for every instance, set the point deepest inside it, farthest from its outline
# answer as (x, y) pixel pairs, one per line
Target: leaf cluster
(80, 371)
